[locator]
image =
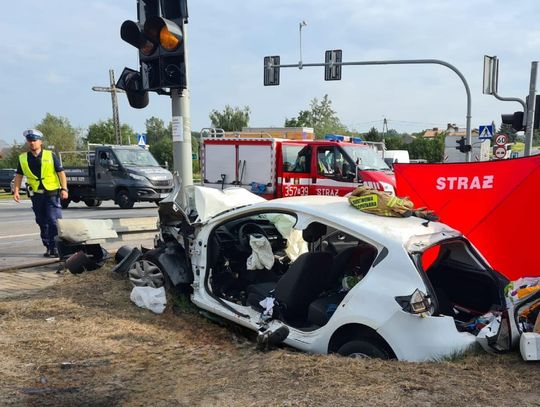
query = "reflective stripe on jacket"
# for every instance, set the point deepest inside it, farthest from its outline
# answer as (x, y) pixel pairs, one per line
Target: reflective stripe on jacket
(48, 176)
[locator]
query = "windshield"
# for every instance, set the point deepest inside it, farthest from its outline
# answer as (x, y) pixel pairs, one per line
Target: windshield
(136, 157)
(365, 157)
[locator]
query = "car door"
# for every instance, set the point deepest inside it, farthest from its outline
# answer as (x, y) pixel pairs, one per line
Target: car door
(296, 169)
(107, 173)
(332, 172)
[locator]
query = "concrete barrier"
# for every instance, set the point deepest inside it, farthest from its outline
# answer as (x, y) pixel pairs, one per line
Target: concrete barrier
(130, 231)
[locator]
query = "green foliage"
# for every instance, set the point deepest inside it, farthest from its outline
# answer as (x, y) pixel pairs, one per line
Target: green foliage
(431, 150)
(156, 131)
(58, 132)
(159, 138)
(536, 138)
(102, 132)
(395, 143)
(507, 129)
(320, 116)
(230, 119)
(11, 159)
(373, 135)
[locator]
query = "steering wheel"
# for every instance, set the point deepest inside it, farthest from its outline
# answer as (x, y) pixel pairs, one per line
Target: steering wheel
(245, 231)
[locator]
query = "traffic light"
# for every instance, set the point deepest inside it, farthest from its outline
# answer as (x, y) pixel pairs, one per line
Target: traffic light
(462, 147)
(158, 35)
(131, 81)
(515, 120)
(271, 71)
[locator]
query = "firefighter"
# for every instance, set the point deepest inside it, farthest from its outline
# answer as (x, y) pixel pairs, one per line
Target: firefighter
(46, 184)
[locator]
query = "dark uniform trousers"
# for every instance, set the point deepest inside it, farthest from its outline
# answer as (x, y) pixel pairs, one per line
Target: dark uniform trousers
(47, 210)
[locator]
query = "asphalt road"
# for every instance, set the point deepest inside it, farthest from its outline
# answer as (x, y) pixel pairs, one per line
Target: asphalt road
(19, 234)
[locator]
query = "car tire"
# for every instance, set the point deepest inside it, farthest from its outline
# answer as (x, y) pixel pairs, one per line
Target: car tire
(123, 199)
(64, 203)
(151, 259)
(364, 348)
(7, 190)
(92, 202)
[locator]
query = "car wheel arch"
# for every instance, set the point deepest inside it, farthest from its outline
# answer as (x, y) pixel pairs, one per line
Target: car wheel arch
(350, 332)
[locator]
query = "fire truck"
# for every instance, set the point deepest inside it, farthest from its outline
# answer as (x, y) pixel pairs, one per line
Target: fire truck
(275, 167)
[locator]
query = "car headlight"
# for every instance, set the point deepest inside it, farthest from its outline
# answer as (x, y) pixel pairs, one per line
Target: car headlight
(139, 177)
(417, 303)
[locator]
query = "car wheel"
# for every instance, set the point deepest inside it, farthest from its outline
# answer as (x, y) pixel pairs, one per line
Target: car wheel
(361, 348)
(92, 202)
(150, 261)
(123, 200)
(7, 189)
(146, 273)
(64, 203)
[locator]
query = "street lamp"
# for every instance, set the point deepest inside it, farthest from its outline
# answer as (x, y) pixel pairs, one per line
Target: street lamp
(300, 25)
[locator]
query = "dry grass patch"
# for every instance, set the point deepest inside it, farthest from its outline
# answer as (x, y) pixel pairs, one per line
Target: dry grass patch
(82, 342)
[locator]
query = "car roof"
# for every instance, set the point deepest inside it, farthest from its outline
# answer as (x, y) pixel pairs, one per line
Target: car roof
(337, 210)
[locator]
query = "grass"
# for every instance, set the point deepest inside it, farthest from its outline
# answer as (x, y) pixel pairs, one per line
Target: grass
(7, 195)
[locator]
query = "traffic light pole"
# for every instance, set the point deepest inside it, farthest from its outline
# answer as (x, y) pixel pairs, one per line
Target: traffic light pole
(408, 62)
(181, 126)
(530, 109)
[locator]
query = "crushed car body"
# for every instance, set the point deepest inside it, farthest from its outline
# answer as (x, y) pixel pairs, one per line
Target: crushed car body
(323, 276)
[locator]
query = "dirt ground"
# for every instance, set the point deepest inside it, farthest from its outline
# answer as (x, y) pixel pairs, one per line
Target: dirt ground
(82, 342)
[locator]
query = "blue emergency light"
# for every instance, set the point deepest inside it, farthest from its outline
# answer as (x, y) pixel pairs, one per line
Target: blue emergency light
(334, 137)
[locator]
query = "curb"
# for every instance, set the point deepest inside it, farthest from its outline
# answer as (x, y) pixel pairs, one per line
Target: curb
(29, 265)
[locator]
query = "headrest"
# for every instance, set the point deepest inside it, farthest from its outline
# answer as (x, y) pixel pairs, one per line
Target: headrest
(314, 232)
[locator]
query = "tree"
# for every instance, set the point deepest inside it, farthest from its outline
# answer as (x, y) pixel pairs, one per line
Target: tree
(507, 129)
(320, 116)
(431, 150)
(102, 132)
(159, 138)
(373, 135)
(58, 132)
(231, 119)
(156, 130)
(11, 159)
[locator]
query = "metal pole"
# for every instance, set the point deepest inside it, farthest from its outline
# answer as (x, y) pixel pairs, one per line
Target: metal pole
(116, 117)
(408, 62)
(181, 127)
(302, 24)
(530, 109)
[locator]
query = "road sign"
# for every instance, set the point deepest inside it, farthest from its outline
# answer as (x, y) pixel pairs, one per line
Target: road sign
(501, 140)
(499, 152)
(485, 132)
(141, 140)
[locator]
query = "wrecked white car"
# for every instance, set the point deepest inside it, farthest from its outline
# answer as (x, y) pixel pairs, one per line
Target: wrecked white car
(318, 275)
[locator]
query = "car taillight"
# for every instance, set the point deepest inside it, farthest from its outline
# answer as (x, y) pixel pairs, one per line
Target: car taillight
(417, 303)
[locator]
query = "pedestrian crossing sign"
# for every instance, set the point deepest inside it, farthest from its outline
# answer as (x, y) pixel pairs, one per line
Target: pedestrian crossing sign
(485, 132)
(141, 140)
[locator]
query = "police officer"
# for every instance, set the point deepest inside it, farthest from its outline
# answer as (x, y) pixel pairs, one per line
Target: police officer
(46, 184)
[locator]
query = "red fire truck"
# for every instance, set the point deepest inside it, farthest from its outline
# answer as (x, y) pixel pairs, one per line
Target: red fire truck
(279, 167)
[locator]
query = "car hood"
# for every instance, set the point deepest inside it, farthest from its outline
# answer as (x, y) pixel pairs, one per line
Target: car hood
(153, 173)
(202, 203)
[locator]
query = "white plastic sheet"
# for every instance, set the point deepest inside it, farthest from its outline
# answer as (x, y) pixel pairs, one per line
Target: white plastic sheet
(150, 298)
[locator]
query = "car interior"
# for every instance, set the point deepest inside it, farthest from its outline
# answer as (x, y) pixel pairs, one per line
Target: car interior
(308, 288)
(464, 285)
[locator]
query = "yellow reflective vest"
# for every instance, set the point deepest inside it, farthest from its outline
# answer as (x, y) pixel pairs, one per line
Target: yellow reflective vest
(48, 176)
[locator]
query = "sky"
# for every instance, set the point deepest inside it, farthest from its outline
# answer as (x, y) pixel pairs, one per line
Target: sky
(55, 51)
